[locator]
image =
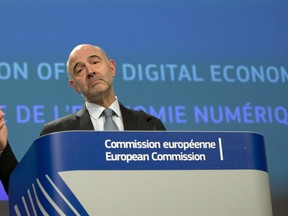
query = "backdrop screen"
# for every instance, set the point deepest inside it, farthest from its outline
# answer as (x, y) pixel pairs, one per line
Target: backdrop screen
(198, 65)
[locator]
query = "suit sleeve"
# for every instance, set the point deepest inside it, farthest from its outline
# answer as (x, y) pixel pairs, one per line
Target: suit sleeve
(158, 125)
(8, 162)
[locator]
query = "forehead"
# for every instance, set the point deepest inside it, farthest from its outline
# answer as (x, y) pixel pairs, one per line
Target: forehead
(82, 54)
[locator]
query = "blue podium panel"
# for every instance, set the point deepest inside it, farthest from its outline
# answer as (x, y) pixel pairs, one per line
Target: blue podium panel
(143, 173)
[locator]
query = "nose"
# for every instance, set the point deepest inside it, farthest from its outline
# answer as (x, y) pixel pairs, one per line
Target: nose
(90, 70)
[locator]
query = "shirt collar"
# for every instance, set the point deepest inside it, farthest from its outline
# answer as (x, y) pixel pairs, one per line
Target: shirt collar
(96, 110)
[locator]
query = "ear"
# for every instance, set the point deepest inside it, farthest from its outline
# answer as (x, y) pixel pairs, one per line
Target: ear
(74, 86)
(113, 67)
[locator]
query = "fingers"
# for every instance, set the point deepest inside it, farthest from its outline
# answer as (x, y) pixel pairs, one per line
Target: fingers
(3, 131)
(2, 121)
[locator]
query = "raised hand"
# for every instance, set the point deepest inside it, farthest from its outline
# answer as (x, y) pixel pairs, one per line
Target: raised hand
(3, 131)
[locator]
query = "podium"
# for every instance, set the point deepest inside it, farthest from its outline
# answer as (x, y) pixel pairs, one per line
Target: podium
(143, 173)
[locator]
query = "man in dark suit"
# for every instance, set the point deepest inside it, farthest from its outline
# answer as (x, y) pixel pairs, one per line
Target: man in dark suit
(91, 74)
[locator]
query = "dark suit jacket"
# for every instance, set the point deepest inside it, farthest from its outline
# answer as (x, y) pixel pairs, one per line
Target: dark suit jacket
(132, 120)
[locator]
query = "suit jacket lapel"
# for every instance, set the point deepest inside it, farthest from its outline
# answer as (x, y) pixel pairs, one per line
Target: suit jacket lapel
(129, 120)
(84, 120)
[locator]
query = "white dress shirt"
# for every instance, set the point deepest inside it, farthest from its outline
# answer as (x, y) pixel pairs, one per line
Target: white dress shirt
(98, 119)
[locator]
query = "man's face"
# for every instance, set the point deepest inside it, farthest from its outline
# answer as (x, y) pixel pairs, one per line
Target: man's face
(91, 73)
